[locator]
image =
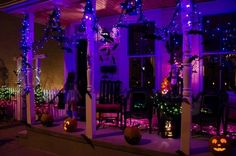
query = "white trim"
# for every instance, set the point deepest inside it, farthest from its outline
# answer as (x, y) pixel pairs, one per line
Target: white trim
(218, 53)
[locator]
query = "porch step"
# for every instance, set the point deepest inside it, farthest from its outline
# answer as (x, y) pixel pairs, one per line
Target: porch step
(9, 124)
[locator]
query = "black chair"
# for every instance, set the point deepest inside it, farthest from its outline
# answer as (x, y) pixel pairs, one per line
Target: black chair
(230, 111)
(109, 100)
(139, 105)
(211, 109)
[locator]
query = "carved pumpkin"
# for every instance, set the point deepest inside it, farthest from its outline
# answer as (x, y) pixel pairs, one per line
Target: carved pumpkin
(219, 145)
(46, 119)
(132, 135)
(70, 125)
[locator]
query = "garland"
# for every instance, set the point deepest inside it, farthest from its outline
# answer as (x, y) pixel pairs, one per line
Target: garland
(25, 47)
(55, 32)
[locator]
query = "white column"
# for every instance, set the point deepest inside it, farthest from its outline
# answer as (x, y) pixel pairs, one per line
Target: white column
(186, 117)
(90, 102)
(37, 71)
(37, 59)
(30, 96)
(19, 87)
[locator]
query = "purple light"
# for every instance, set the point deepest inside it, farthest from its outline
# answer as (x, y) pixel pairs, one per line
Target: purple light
(189, 23)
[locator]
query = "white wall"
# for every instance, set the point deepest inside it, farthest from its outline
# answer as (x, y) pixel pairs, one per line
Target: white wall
(162, 17)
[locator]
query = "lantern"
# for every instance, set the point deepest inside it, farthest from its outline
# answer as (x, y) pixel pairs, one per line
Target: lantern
(219, 145)
(168, 128)
(47, 119)
(132, 135)
(70, 124)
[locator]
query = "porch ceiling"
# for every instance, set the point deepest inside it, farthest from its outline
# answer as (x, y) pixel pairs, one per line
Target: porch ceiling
(72, 10)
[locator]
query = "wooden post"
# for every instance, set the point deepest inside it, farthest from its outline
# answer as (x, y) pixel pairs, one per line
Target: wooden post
(90, 101)
(186, 116)
(30, 96)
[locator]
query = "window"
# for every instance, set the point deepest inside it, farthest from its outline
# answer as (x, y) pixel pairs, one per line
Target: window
(142, 72)
(220, 33)
(219, 52)
(141, 53)
(140, 39)
(220, 72)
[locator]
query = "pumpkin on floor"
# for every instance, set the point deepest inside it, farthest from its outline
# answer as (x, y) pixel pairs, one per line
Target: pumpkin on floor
(47, 119)
(70, 124)
(132, 135)
(219, 145)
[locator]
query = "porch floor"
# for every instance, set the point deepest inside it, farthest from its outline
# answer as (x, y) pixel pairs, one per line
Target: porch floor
(112, 138)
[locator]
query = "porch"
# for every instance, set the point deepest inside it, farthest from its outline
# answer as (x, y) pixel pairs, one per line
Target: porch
(108, 141)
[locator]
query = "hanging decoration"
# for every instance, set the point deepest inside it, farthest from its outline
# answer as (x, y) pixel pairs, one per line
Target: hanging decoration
(54, 31)
(165, 86)
(196, 19)
(173, 26)
(131, 7)
(110, 41)
(88, 15)
(88, 10)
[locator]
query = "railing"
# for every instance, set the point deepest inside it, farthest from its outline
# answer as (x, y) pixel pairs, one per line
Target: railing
(13, 107)
(8, 104)
(51, 105)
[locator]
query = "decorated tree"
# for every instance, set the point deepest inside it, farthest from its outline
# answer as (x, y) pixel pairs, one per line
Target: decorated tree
(39, 96)
(5, 93)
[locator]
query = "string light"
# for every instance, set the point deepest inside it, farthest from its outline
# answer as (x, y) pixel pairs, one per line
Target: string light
(54, 31)
(223, 34)
(25, 47)
(167, 105)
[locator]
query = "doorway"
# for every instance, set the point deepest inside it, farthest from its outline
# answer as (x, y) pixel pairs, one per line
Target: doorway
(82, 75)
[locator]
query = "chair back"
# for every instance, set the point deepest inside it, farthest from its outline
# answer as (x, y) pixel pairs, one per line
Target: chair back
(109, 92)
(139, 101)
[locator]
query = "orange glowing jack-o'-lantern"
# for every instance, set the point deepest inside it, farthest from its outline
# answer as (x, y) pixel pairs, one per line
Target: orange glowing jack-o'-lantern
(70, 125)
(219, 145)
